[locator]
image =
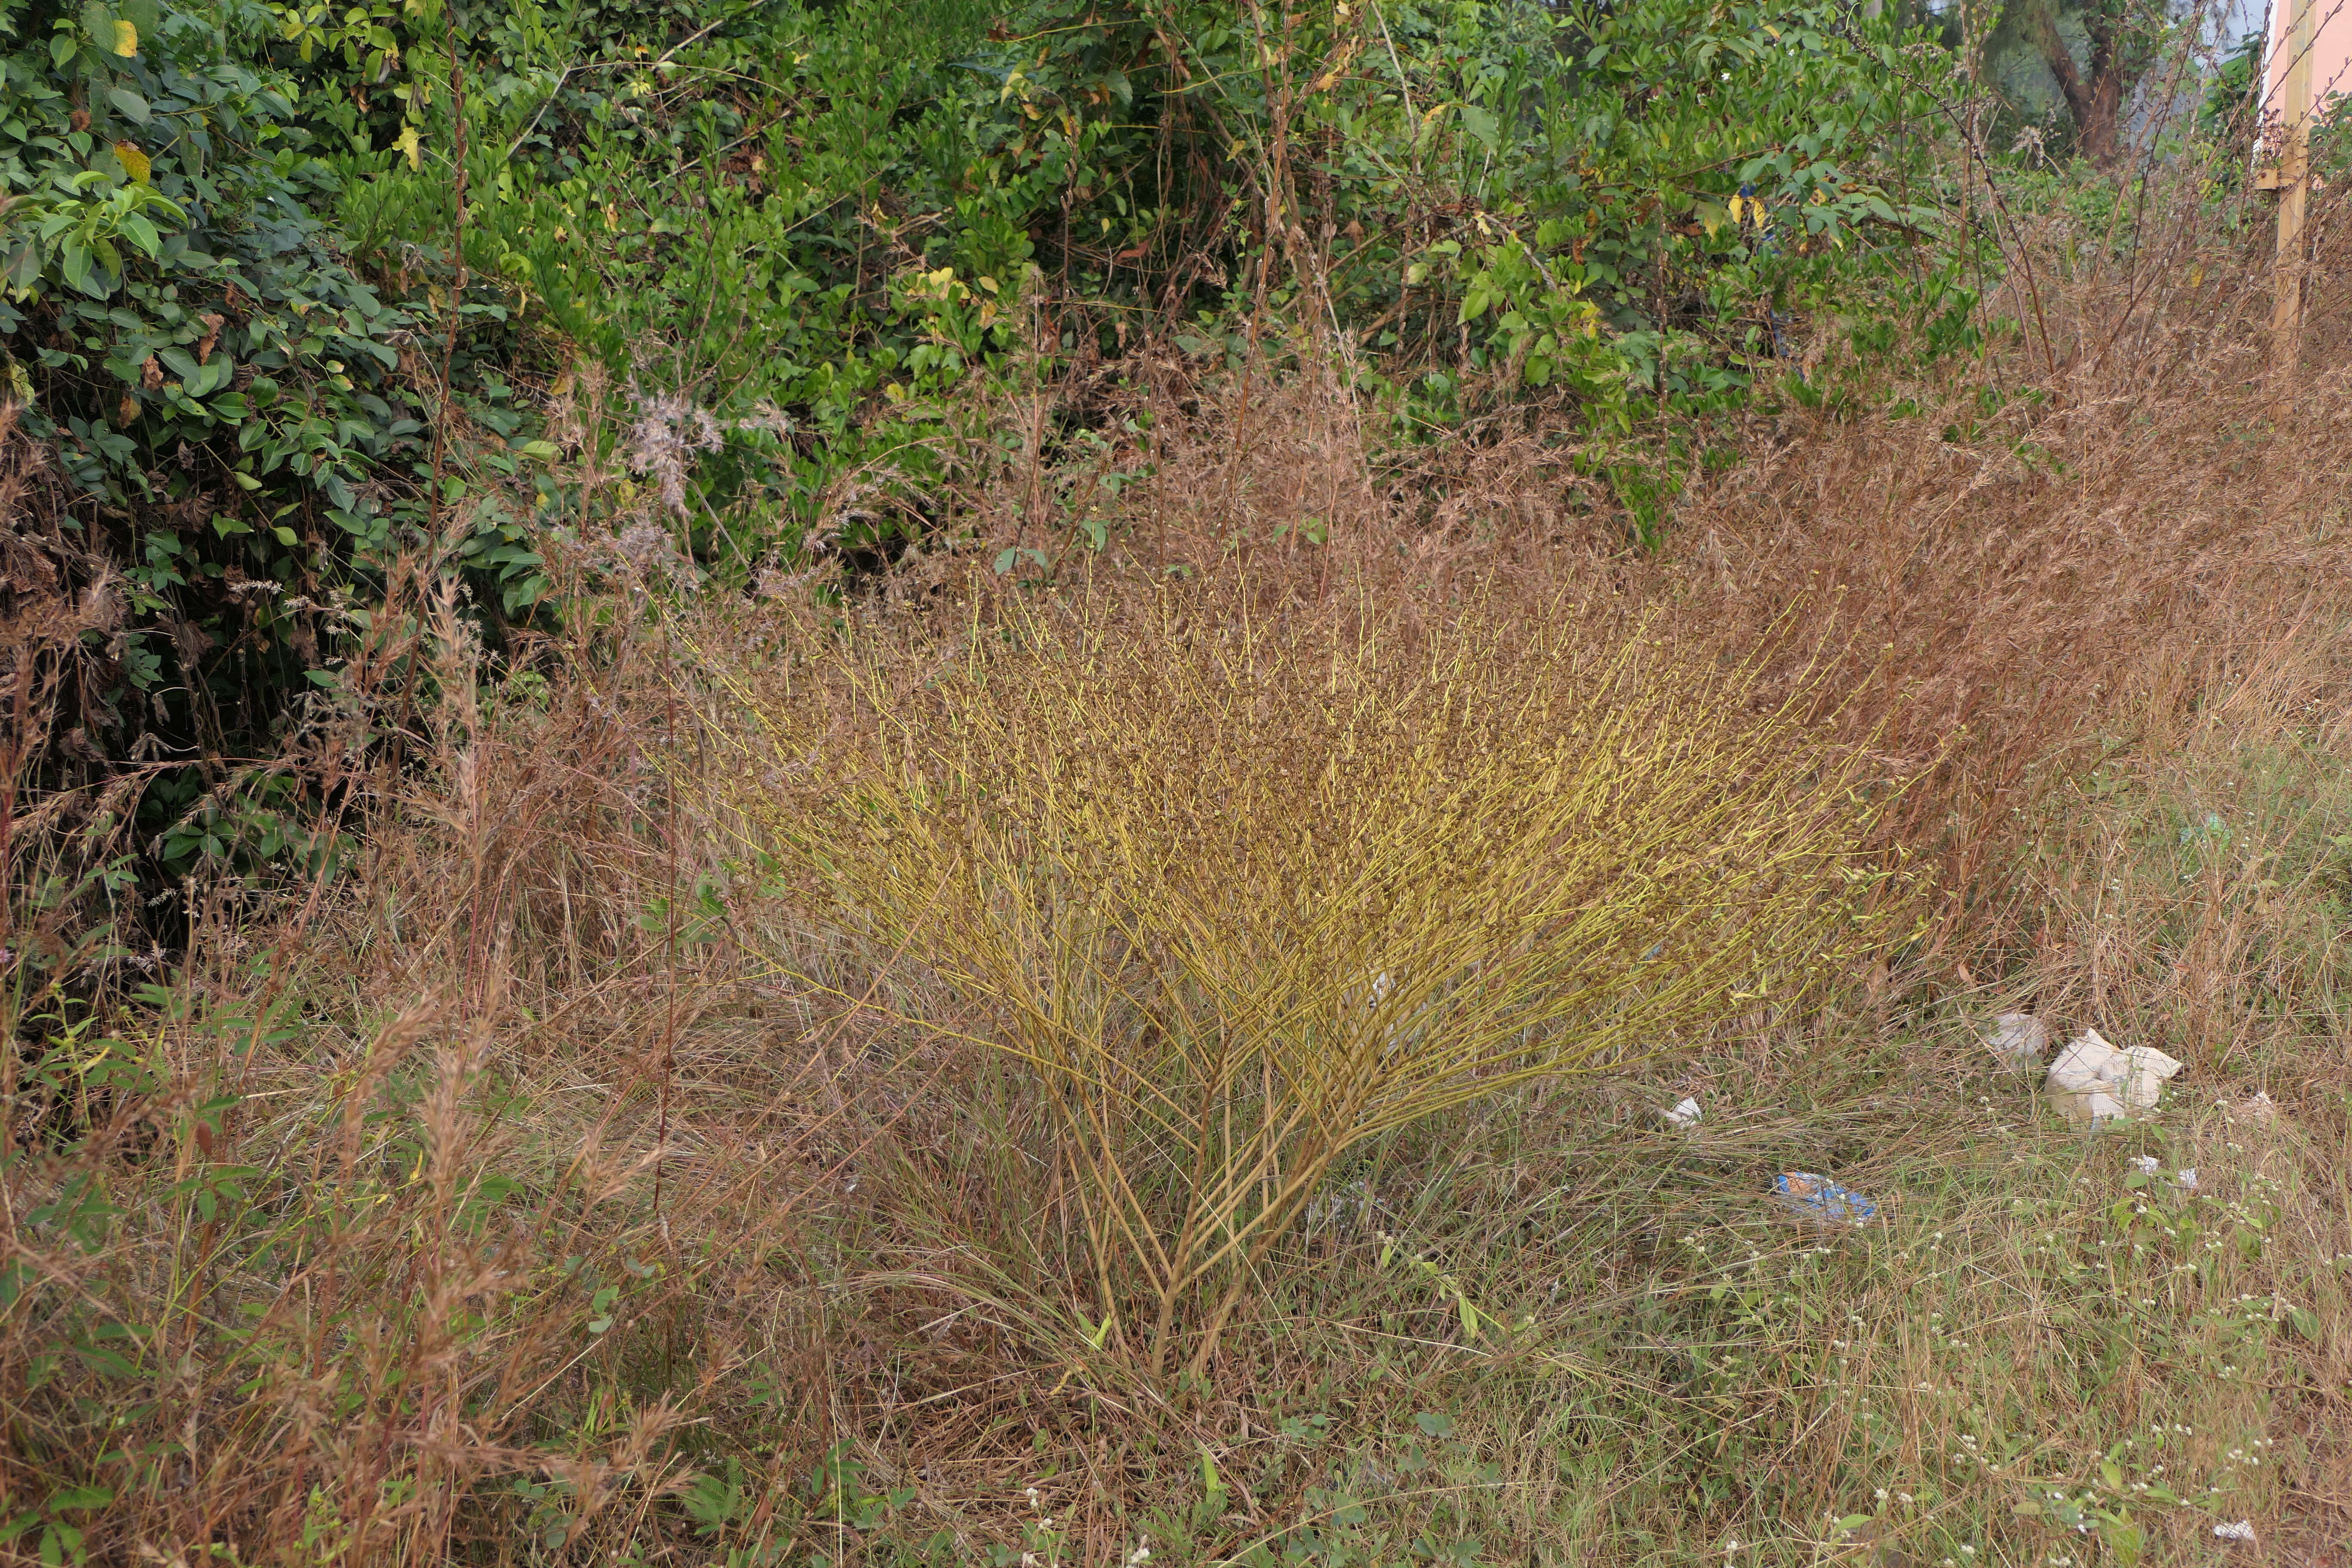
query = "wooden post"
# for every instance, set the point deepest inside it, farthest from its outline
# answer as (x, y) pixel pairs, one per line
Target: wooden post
(2294, 192)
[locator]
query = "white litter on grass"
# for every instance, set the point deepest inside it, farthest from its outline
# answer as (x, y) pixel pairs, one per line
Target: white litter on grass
(2018, 1039)
(2185, 1178)
(2256, 1107)
(2243, 1529)
(2092, 1081)
(1686, 1114)
(2148, 1164)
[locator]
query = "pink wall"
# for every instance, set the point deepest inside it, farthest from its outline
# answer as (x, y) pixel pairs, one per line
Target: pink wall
(2331, 53)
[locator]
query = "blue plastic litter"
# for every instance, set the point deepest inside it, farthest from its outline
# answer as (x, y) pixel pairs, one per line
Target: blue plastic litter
(1820, 1199)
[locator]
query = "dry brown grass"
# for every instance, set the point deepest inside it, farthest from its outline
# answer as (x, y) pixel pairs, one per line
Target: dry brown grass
(2089, 625)
(2081, 534)
(303, 1264)
(2099, 591)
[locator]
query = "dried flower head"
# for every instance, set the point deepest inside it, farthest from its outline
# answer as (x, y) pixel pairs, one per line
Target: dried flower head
(670, 429)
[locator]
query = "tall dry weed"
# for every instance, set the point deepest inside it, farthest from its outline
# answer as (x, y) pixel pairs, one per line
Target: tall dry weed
(378, 1228)
(1243, 896)
(2018, 553)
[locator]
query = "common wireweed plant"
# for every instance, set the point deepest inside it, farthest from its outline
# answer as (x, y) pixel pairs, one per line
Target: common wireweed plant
(1243, 894)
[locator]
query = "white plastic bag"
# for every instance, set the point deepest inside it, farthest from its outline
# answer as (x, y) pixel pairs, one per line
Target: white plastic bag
(2018, 1039)
(2092, 1081)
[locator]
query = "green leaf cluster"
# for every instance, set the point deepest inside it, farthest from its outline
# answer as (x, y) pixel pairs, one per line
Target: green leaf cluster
(221, 392)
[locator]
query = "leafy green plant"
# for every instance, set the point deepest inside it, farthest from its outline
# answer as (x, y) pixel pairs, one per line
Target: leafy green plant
(851, 229)
(244, 445)
(74, 224)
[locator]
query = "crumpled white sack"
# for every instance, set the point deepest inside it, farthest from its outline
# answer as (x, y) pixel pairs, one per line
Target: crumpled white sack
(2018, 1039)
(2151, 1070)
(1686, 1114)
(2092, 1081)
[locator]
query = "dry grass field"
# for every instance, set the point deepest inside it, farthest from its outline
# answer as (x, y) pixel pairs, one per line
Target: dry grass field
(1164, 1064)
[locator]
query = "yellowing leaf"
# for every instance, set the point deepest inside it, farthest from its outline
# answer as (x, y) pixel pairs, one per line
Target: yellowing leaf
(126, 39)
(1711, 216)
(407, 143)
(135, 163)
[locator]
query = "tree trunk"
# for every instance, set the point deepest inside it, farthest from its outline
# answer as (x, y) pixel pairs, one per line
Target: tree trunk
(2096, 105)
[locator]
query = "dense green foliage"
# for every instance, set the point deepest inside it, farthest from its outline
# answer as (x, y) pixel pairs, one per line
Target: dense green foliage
(858, 217)
(767, 272)
(215, 379)
(236, 417)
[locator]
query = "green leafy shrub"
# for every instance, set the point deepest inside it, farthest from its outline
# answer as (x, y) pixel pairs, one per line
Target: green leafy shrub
(240, 418)
(217, 389)
(877, 220)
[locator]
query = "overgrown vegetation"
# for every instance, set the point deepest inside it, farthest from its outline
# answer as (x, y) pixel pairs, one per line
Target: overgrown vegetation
(1245, 899)
(923, 783)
